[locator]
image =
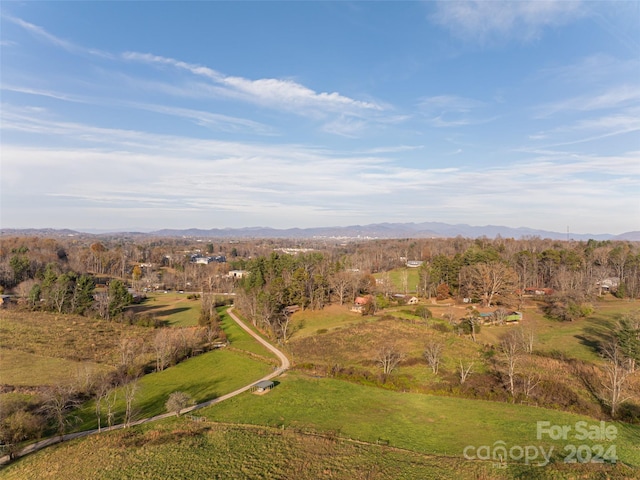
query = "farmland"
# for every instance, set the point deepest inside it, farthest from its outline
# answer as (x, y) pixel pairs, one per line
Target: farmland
(312, 428)
(183, 450)
(362, 398)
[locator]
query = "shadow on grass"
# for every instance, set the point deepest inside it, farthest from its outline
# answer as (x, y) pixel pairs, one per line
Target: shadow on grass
(201, 392)
(155, 310)
(595, 334)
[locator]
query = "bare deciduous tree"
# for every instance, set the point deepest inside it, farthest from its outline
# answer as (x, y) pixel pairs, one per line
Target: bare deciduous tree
(499, 316)
(341, 283)
(617, 368)
(464, 371)
(510, 346)
(177, 401)
(111, 399)
(102, 388)
(129, 389)
(530, 381)
(486, 280)
(527, 332)
(433, 353)
(388, 358)
(59, 400)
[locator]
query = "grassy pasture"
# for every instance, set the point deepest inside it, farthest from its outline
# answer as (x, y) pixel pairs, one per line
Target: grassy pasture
(70, 337)
(358, 343)
(205, 377)
(27, 369)
(331, 318)
(421, 423)
(172, 307)
(354, 347)
(39, 348)
(396, 278)
(240, 339)
(179, 448)
(578, 339)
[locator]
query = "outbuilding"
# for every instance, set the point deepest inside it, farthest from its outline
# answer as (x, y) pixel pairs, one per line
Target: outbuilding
(263, 386)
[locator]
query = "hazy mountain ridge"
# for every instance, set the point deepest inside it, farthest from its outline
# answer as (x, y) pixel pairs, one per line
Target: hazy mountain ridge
(379, 230)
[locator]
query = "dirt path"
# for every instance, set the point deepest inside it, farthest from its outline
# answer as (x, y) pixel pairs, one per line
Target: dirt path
(284, 365)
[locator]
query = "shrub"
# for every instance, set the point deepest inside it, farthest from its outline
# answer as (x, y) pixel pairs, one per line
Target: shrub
(441, 327)
(442, 291)
(423, 312)
(566, 308)
(177, 401)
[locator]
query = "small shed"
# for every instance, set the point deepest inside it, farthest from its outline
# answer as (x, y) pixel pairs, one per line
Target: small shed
(513, 317)
(263, 386)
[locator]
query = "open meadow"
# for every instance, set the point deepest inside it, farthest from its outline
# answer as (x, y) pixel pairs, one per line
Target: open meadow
(308, 428)
(173, 308)
(41, 348)
(339, 416)
(564, 368)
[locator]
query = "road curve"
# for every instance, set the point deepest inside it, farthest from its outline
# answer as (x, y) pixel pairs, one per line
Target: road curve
(284, 365)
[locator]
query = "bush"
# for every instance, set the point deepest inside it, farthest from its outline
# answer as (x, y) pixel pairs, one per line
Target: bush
(443, 291)
(566, 308)
(423, 312)
(441, 327)
(149, 321)
(177, 401)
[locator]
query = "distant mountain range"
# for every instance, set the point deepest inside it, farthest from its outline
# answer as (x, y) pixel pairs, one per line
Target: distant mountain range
(378, 230)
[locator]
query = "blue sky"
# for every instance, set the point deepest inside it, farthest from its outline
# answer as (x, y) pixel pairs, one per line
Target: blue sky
(148, 115)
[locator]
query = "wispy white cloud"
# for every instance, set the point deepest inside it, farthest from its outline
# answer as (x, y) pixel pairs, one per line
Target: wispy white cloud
(592, 69)
(589, 129)
(488, 21)
(394, 149)
(55, 40)
(42, 93)
(449, 103)
(280, 93)
(117, 172)
(215, 121)
(616, 97)
(345, 126)
(212, 120)
(452, 111)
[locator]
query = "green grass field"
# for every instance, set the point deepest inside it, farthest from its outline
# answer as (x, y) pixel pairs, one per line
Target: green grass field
(397, 278)
(578, 339)
(331, 318)
(276, 435)
(180, 449)
(204, 377)
(421, 423)
(308, 428)
(239, 338)
(174, 308)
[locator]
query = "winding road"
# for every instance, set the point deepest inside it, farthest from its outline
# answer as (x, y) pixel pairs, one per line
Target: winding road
(284, 365)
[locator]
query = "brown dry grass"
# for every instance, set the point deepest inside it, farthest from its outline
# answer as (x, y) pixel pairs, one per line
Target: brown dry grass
(40, 348)
(563, 382)
(70, 337)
